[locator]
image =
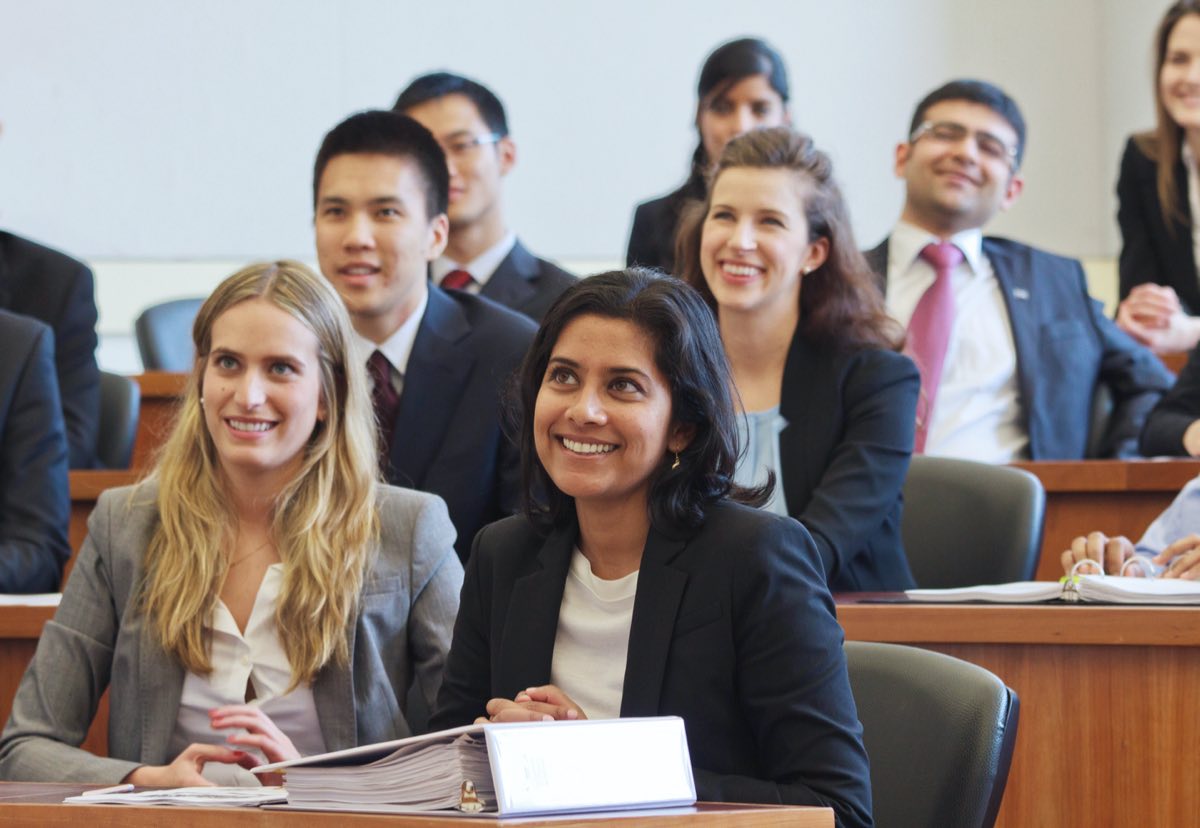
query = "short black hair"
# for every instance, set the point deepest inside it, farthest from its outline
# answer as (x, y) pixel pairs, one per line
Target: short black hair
(378, 132)
(440, 84)
(979, 92)
(689, 354)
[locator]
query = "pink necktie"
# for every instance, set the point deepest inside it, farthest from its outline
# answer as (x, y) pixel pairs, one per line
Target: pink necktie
(929, 331)
(457, 279)
(387, 403)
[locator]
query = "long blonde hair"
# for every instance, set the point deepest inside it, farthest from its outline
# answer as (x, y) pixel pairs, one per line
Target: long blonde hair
(324, 522)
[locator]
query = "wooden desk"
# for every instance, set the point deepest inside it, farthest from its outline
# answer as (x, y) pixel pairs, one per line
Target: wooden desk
(1108, 727)
(27, 804)
(161, 393)
(1117, 497)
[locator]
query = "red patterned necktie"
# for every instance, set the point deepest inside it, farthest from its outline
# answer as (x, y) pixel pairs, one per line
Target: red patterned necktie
(929, 331)
(386, 400)
(457, 279)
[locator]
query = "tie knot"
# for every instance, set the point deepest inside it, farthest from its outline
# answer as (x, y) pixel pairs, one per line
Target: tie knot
(457, 279)
(943, 256)
(379, 367)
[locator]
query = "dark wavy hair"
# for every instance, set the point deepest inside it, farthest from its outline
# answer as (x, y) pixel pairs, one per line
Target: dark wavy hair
(841, 303)
(688, 353)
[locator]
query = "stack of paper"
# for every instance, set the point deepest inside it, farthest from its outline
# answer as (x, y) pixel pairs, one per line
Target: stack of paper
(195, 797)
(1019, 592)
(1109, 589)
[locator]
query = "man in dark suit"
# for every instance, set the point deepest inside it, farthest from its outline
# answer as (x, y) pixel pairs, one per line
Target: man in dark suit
(1011, 347)
(482, 255)
(58, 290)
(440, 359)
(34, 497)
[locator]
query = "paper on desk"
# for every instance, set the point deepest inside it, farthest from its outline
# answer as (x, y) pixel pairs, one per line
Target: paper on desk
(1019, 592)
(206, 797)
(45, 599)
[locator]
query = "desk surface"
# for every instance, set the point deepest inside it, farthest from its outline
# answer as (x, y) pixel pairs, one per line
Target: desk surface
(26, 804)
(1108, 729)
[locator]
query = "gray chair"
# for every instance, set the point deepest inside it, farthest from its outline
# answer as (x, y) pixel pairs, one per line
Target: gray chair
(164, 335)
(939, 732)
(120, 401)
(968, 523)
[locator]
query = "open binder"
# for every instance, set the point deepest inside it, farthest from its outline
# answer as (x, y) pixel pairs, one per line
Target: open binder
(1110, 589)
(502, 770)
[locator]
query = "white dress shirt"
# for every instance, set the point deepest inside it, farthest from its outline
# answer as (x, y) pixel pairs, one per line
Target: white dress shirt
(239, 658)
(592, 642)
(481, 267)
(397, 347)
(977, 414)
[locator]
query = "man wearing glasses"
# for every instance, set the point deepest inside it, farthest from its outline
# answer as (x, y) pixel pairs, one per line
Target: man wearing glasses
(482, 255)
(1011, 347)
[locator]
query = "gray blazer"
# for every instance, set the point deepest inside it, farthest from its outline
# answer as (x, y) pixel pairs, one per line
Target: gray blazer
(98, 639)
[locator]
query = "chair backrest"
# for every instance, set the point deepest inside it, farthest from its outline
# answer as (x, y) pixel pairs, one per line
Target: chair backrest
(968, 523)
(164, 335)
(120, 400)
(939, 732)
(1101, 414)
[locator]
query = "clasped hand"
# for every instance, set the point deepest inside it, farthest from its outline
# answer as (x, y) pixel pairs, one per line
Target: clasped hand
(1181, 558)
(534, 704)
(255, 729)
(1153, 315)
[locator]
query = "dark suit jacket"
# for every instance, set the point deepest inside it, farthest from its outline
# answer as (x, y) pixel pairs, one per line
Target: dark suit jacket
(448, 437)
(1065, 348)
(655, 222)
(35, 501)
(844, 455)
(1152, 251)
(527, 284)
(733, 630)
(47, 285)
(1178, 409)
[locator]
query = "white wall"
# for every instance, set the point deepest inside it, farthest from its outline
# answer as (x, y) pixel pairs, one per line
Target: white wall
(140, 134)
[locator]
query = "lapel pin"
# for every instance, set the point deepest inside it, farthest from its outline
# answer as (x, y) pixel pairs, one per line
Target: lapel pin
(1020, 293)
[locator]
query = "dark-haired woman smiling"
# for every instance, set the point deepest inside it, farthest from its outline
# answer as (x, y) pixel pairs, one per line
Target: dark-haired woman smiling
(641, 586)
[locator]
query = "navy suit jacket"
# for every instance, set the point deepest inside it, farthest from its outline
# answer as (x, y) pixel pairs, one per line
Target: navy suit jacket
(1152, 250)
(448, 437)
(733, 630)
(527, 284)
(35, 501)
(47, 285)
(1065, 348)
(844, 456)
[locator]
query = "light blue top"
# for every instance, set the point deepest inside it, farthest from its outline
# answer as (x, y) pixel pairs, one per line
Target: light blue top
(758, 434)
(1179, 520)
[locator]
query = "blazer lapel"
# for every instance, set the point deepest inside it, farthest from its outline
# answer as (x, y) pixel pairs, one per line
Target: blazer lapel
(1016, 280)
(433, 379)
(659, 591)
(877, 259)
(527, 647)
(803, 371)
(333, 695)
(511, 285)
(162, 682)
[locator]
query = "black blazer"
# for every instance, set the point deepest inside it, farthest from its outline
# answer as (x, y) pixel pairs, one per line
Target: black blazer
(527, 284)
(1152, 250)
(1162, 435)
(733, 630)
(49, 286)
(447, 438)
(844, 456)
(35, 502)
(1066, 347)
(655, 223)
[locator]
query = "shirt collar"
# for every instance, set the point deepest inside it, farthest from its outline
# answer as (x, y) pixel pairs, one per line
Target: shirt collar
(907, 241)
(398, 347)
(482, 266)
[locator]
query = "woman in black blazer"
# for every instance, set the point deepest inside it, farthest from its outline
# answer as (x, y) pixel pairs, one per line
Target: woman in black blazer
(743, 85)
(640, 586)
(1160, 286)
(830, 404)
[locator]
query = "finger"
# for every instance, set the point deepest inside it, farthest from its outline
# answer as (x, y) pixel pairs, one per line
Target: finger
(258, 724)
(1115, 554)
(517, 713)
(1096, 541)
(558, 712)
(1179, 547)
(1185, 566)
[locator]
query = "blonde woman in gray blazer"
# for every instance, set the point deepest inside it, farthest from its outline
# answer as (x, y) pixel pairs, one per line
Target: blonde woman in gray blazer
(264, 511)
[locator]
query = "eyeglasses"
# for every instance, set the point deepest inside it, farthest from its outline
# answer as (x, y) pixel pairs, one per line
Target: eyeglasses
(950, 132)
(462, 147)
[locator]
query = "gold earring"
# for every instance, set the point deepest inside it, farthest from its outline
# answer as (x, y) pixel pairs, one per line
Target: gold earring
(675, 465)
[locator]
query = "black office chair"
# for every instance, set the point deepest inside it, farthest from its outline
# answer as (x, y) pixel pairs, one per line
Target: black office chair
(968, 523)
(120, 401)
(164, 335)
(939, 732)
(1101, 414)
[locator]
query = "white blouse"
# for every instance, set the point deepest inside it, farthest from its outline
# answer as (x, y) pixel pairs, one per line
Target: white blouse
(237, 659)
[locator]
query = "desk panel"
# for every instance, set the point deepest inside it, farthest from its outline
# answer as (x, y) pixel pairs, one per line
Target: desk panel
(1117, 497)
(161, 393)
(1108, 729)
